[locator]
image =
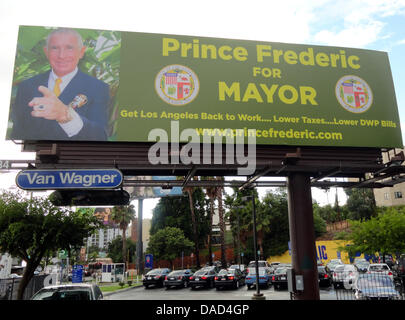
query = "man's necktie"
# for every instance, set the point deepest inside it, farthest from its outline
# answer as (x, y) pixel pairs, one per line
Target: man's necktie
(56, 88)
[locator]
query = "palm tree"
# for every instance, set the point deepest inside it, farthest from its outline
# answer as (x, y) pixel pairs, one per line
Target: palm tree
(211, 193)
(123, 215)
(190, 191)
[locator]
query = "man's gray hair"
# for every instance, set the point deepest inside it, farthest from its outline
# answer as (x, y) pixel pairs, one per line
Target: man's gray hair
(65, 30)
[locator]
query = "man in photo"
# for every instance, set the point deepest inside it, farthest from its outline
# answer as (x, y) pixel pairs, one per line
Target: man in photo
(63, 103)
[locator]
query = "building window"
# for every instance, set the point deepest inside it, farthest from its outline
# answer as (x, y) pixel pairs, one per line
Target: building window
(386, 196)
(398, 194)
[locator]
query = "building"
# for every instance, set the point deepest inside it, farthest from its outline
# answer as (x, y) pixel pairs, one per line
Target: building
(103, 237)
(146, 223)
(393, 196)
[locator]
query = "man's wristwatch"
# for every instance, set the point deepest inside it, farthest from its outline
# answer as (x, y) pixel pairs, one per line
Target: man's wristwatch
(68, 115)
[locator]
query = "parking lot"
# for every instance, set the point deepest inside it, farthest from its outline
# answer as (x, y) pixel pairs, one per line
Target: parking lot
(140, 293)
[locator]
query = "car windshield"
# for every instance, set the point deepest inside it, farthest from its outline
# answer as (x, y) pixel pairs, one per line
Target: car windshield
(155, 271)
(253, 272)
(340, 268)
(236, 266)
(380, 267)
(260, 263)
(176, 273)
(225, 272)
(363, 263)
(203, 271)
(280, 271)
(374, 282)
(63, 294)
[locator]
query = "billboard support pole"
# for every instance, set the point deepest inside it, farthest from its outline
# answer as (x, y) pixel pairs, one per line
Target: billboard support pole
(139, 244)
(302, 234)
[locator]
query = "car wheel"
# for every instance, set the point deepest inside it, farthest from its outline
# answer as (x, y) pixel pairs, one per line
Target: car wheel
(248, 286)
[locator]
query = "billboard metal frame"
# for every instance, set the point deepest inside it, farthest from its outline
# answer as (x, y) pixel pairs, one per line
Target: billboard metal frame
(364, 166)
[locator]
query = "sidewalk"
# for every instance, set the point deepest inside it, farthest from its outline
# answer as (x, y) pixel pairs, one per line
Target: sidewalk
(109, 293)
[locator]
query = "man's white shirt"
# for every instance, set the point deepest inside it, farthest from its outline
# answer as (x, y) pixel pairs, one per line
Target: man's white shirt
(74, 126)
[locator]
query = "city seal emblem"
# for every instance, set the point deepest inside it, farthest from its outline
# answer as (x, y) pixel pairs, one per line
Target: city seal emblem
(177, 85)
(354, 94)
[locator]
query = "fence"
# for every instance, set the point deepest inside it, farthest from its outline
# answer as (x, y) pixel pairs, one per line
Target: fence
(337, 226)
(9, 287)
(365, 286)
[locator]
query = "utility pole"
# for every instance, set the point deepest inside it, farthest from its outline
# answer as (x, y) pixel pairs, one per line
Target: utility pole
(257, 295)
(139, 244)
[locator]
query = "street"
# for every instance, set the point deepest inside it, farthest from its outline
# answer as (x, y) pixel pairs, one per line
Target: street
(140, 293)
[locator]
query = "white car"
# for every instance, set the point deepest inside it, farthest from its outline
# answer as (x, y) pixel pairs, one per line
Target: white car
(75, 291)
(344, 275)
(263, 264)
(380, 268)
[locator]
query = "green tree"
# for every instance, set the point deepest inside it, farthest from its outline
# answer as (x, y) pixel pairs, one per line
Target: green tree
(123, 215)
(276, 239)
(361, 203)
(384, 233)
(176, 212)
(32, 228)
(168, 243)
(114, 250)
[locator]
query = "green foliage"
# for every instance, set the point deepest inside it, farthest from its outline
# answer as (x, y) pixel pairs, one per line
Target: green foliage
(115, 249)
(361, 203)
(123, 215)
(168, 243)
(33, 228)
(175, 212)
(384, 233)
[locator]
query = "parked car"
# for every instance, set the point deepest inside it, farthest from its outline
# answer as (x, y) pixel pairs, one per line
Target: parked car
(399, 269)
(344, 276)
(386, 259)
(77, 291)
(261, 263)
(229, 278)
(375, 286)
(264, 278)
(279, 279)
(331, 265)
(155, 277)
(380, 268)
(178, 278)
(274, 265)
(362, 266)
(204, 277)
(240, 267)
(324, 277)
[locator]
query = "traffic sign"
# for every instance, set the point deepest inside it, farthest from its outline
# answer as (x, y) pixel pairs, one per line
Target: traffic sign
(149, 261)
(63, 254)
(77, 273)
(69, 179)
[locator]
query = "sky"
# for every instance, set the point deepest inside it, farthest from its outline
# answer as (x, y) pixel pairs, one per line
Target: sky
(368, 24)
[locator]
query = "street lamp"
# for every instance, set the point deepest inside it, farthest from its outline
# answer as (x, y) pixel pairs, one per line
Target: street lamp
(257, 295)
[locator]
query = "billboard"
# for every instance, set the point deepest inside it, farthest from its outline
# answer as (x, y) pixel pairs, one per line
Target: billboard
(142, 192)
(133, 87)
(104, 214)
